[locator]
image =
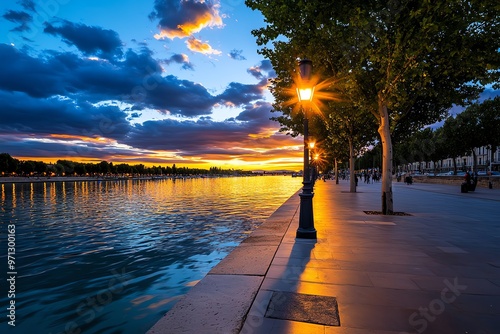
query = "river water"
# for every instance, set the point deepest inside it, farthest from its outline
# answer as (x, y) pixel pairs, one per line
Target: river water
(115, 256)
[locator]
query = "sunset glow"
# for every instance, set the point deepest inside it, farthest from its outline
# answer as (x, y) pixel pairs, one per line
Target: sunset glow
(157, 84)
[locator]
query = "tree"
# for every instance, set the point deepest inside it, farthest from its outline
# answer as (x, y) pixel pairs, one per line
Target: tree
(80, 169)
(336, 148)
(488, 115)
(40, 167)
(440, 149)
(104, 167)
(353, 127)
(469, 133)
(476, 126)
(123, 169)
(69, 166)
(422, 145)
(59, 169)
(7, 163)
(112, 168)
(27, 167)
(371, 157)
(140, 168)
(406, 62)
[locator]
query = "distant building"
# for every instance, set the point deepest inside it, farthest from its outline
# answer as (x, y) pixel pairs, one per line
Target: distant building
(272, 172)
(483, 163)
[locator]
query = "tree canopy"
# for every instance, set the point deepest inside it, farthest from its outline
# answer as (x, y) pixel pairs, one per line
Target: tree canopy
(477, 126)
(405, 62)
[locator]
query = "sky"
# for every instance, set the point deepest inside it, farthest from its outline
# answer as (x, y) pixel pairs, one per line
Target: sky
(157, 82)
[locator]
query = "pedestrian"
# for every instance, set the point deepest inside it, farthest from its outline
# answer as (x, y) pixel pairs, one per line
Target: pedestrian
(467, 178)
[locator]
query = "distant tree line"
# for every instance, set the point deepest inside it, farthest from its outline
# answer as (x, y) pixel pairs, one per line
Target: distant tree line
(13, 166)
(477, 126)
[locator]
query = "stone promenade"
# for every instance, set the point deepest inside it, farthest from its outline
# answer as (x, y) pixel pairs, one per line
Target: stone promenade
(434, 271)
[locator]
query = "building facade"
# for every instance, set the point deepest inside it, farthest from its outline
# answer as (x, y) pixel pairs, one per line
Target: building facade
(483, 163)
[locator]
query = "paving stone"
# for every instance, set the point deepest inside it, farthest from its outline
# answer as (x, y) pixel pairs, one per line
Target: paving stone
(217, 304)
(246, 260)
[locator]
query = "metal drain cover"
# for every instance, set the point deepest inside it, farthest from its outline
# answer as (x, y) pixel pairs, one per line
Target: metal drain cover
(314, 309)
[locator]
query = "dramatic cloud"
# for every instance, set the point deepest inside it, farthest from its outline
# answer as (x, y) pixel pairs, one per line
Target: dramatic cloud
(183, 18)
(189, 137)
(181, 59)
(28, 5)
(197, 45)
(263, 71)
(258, 113)
(21, 113)
(178, 97)
(238, 94)
(236, 55)
(21, 18)
(214, 140)
(91, 41)
(137, 80)
(16, 66)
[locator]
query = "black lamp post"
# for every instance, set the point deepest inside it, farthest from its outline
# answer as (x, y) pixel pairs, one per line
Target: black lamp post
(312, 164)
(305, 93)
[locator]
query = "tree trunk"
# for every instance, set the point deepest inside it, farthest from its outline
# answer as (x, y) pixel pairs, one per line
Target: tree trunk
(385, 135)
(474, 161)
(492, 155)
(352, 161)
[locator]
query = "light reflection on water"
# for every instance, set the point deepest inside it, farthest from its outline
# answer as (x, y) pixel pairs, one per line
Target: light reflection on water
(113, 257)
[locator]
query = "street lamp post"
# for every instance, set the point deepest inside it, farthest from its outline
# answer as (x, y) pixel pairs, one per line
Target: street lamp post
(312, 164)
(305, 93)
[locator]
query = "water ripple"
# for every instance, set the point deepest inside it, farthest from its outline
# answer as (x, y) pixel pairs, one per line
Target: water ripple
(113, 257)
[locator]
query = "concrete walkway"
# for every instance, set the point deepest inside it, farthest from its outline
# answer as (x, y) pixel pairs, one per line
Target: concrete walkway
(436, 271)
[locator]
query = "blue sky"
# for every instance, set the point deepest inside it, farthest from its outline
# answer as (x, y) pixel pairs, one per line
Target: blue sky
(155, 82)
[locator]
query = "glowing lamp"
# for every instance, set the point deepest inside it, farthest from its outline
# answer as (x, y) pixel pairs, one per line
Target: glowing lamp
(305, 94)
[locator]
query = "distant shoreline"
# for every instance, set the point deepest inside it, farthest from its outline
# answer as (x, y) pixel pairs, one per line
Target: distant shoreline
(34, 179)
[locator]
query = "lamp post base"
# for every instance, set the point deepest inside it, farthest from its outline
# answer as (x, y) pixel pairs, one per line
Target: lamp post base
(302, 234)
(306, 228)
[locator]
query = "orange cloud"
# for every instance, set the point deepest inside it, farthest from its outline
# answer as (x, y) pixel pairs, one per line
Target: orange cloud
(99, 140)
(186, 19)
(197, 45)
